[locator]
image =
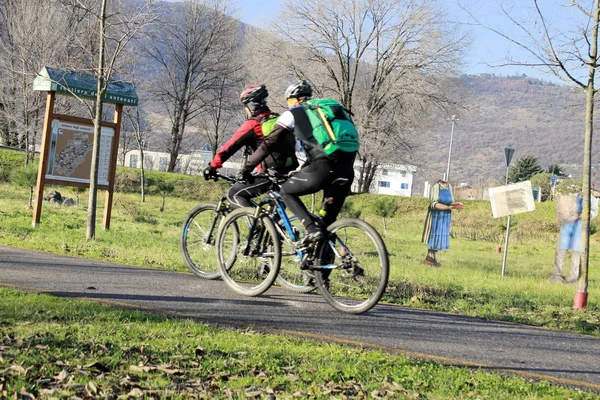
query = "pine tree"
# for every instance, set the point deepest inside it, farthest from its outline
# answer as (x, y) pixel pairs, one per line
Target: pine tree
(524, 169)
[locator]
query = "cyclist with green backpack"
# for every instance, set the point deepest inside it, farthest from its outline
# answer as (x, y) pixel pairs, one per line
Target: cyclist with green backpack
(327, 135)
(254, 130)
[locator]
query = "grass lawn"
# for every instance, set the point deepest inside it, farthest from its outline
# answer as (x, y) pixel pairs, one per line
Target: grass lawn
(53, 348)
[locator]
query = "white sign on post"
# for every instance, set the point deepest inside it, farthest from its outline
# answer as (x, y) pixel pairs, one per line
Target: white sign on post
(512, 199)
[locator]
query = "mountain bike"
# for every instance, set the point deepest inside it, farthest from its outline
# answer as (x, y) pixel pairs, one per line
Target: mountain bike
(350, 267)
(197, 245)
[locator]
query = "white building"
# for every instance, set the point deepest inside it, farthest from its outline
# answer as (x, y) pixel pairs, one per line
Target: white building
(192, 163)
(393, 179)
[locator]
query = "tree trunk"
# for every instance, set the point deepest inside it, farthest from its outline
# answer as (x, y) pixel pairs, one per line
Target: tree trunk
(586, 184)
(91, 220)
(361, 174)
(370, 175)
(142, 176)
(30, 197)
(174, 150)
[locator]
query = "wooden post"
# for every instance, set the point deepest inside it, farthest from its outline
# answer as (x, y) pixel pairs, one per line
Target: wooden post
(108, 198)
(43, 163)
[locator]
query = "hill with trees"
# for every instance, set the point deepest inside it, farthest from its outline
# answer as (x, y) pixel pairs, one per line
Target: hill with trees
(530, 115)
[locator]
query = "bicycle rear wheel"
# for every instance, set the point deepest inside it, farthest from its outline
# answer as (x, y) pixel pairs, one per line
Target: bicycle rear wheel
(253, 273)
(290, 276)
(197, 242)
(362, 266)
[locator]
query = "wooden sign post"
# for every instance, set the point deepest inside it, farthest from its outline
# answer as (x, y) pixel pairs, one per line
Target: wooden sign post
(67, 141)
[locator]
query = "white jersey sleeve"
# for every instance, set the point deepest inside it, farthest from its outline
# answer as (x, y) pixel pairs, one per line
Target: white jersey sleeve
(287, 120)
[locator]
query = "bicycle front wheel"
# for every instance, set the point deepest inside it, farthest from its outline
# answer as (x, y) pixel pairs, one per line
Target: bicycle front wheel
(359, 266)
(255, 243)
(197, 242)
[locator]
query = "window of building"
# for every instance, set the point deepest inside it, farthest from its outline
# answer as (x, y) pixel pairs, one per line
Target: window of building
(162, 164)
(404, 186)
(384, 184)
(148, 162)
(384, 172)
(133, 161)
(403, 174)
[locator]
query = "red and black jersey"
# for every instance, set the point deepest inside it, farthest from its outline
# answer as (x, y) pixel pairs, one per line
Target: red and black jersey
(248, 134)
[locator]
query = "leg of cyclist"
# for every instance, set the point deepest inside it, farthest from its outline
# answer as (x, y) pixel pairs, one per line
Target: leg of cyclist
(239, 194)
(311, 178)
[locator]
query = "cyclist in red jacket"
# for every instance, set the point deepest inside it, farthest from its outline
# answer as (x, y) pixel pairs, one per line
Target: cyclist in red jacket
(280, 158)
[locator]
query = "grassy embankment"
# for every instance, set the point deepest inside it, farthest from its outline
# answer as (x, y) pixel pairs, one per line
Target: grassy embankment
(470, 282)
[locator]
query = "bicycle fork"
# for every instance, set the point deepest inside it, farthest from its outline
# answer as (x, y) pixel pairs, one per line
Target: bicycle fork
(221, 209)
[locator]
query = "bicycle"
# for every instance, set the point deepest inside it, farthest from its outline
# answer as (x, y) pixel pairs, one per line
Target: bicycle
(350, 266)
(198, 240)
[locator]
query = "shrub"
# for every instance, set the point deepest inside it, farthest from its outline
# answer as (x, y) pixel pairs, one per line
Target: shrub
(25, 177)
(349, 210)
(385, 207)
(10, 160)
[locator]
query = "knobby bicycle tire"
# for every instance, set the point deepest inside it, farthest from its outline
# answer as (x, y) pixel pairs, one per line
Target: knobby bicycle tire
(249, 275)
(197, 253)
(362, 247)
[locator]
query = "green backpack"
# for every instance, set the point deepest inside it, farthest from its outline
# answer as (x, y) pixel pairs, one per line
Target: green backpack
(267, 123)
(332, 125)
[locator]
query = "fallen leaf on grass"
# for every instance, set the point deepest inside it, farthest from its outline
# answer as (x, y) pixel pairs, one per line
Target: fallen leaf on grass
(170, 371)
(292, 378)
(90, 389)
(253, 391)
(146, 368)
(62, 375)
(135, 392)
(97, 365)
(24, 395)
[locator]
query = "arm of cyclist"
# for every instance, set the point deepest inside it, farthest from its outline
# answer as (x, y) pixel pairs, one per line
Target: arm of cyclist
(263, 150)
(248, 134)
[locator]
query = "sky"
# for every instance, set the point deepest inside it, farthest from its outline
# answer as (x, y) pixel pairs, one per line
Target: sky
(486, 51)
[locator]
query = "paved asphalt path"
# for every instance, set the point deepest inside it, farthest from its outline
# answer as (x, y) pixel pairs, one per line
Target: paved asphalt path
(451, 339)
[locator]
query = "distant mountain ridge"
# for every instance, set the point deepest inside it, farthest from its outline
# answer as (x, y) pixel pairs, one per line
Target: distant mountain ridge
(532, 116)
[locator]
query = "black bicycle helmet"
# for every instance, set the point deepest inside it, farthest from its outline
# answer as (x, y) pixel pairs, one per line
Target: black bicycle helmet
(298, 90)
(254, 96)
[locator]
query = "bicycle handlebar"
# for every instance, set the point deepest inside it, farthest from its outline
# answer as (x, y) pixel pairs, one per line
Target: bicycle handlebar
(224, 177)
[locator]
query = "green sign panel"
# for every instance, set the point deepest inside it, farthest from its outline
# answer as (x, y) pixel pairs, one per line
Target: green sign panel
(83, 85)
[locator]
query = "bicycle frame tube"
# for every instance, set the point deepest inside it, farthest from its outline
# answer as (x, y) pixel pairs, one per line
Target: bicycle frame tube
(253, 227)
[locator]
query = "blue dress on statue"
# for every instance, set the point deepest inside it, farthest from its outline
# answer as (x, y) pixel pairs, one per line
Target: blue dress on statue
(439, 237)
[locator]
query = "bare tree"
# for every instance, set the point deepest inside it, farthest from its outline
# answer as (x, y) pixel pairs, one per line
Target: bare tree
(32, 34)
(221, 115)
(569, 51)
(192, 51)
(381, 59)
(116, 30)
(141, 130)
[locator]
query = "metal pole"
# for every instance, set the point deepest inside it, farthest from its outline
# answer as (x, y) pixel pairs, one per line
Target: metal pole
(507, 234)
(453, 119)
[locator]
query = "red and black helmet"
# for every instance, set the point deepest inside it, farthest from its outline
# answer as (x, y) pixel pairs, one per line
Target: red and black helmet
(254, 94)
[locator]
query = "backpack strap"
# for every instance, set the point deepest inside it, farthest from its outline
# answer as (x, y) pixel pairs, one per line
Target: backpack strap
(303, 129)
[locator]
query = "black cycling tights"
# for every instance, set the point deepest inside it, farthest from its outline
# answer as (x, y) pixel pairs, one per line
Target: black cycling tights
(334, 178)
